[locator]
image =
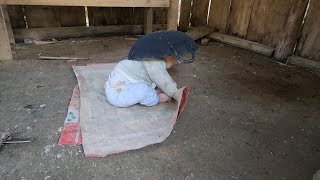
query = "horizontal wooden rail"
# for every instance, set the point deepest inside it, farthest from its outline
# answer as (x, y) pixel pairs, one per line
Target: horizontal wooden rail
(242, 43)
(98, 3)
(304, 62)
(74, 32)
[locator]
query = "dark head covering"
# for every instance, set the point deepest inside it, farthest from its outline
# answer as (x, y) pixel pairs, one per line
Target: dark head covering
(164, 43)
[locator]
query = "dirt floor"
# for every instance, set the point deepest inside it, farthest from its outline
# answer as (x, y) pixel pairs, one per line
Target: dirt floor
(247, 118)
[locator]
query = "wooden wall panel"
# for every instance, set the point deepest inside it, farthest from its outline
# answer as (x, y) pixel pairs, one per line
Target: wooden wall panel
(101, 16)
(138, 14)
(72, 16)
(199, 12)
(185, 12)
(268, 19)
(289, 37)
(239, 17)
(160, 15)
(16, 16)
(309, 43)
(41, 16)
(51, 16)
(129, 16)
(219, 13)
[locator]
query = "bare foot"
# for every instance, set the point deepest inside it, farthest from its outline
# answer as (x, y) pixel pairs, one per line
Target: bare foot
(164, 98)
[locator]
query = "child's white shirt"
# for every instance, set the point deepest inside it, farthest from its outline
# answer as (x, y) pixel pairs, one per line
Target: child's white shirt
(152, 72)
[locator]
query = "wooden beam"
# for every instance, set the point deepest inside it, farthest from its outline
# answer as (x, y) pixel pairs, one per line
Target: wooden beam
(8, 24)
(304, 62)
(173, 15)
(148, 20)
(242, 43)
(5, 48)
(199, 32)
(98, 3)
(74, 32)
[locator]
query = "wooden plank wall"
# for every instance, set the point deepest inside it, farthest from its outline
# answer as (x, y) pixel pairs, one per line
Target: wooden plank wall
(160, 15)
(51, 16)
(219, 13)
(185, 12)
(123, 16)
(268, 19)
(16, 16)
(199, 12)
(239, 17)
(102, 16)
(263, 21)
(289, 37)
(271, 22)
(309, 43)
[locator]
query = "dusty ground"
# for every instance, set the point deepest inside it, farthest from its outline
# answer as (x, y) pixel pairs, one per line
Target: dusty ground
(247, 118)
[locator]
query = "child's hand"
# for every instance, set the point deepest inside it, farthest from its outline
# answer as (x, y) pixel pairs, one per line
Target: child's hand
(164, 98)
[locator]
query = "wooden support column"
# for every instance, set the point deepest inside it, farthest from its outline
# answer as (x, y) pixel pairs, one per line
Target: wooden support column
(173, 15)
(8, 24)
(185, 10)
(148, 20)
(5, 48)
(289, 38)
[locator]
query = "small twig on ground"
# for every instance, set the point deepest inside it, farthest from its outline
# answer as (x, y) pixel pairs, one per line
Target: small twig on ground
(61, 58)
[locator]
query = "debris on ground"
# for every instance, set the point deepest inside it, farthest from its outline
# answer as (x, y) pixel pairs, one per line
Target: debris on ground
(43, 106)
(6, 138)
(131, 39)
(38, 42)
(30, 106)
(34, 107)
(204, 41)
(61, 58)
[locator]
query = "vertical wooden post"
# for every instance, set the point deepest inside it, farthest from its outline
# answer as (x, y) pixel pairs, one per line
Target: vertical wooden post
(148, 20)
(173, 15)
(289, 38)
(8, 24)
(5, 48)
(185, 11)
